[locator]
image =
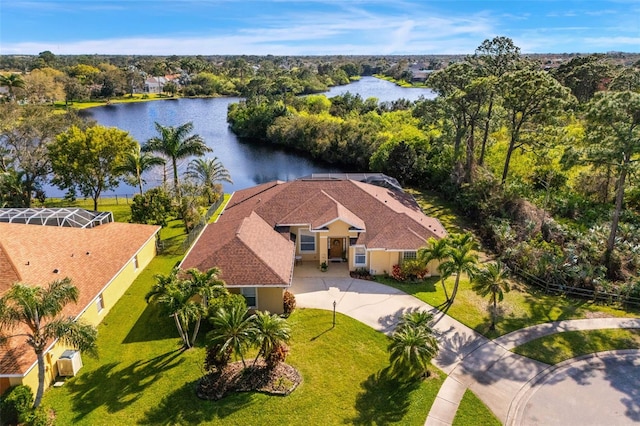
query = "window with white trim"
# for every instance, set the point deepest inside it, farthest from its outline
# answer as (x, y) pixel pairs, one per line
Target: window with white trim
(409, 255)
(360, 257)
(250, 296)
(100, 303)
(307, 242)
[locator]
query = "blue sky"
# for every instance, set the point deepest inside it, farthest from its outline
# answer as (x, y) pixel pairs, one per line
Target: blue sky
(316, 27)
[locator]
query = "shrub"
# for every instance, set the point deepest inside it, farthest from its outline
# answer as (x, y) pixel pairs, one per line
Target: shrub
(277, 355)
(152, 208)
(397, 273)
(16, 405)
(288, 302)
(216, 358)
(414, 269)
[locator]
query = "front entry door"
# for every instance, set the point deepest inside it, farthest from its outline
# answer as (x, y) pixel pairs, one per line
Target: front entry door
(335, 251)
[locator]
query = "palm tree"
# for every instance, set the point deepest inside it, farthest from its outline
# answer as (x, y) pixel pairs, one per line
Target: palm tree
(137, 162)
(39, 308)
(416, 319)
(232, 328)
(12, 82)
(208, 171)
(176, 298)
(271, 332)
(492, 280)
(461, 259)
(436, 249)
(410, 351)
(207, 285)
(175, 143)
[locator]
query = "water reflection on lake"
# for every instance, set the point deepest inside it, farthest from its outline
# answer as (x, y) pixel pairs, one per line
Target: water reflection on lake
(248, 164)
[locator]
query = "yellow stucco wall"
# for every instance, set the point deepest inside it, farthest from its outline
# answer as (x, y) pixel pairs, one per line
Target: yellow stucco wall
(270, 299)
(111, 294)
(381, 261)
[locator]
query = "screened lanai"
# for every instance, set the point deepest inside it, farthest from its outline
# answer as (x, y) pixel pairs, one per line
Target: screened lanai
(67, 217)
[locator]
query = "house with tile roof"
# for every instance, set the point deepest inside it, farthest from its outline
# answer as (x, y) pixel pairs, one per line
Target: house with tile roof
(101, 257)
(264, 231)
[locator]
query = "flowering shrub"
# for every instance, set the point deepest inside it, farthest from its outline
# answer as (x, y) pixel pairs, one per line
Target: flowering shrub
(397, 273)
(414, 269)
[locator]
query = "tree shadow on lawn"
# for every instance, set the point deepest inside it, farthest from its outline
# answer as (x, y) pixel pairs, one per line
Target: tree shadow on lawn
(153, 324)
(182, 406)
(383, 399)
(118, 388)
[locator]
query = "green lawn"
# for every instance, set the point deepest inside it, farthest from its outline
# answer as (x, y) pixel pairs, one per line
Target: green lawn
(473, 412)
(562, 346)
(60, 105)
(143, 377)
(519, 309)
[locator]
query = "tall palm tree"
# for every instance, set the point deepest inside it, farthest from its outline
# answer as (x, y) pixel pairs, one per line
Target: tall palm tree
(436, 249)
(232, 328)
(176, 143)
(208, 171)
(410, 351)
(137, 162)
(175, 296)
(271, 332)
(492, 280)
(12, 82)
(461, 258)
(207, 285)
(39, 309)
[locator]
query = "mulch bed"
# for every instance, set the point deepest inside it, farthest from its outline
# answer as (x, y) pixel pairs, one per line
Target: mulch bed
(281, 380)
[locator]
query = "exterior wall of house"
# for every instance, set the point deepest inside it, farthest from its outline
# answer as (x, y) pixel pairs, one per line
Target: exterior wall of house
(111, 295)
(380, 261)
(337, 229)
(270, 299)
(120, 284)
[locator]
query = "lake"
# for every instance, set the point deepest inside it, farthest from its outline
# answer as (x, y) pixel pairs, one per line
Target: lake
(248, 164)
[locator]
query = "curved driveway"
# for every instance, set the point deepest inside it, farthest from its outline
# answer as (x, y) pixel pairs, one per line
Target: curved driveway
(470, 360)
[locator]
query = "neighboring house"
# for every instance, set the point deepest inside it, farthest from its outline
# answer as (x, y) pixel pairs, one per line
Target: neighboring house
(102, 258)
(265, 230)
(156, 84)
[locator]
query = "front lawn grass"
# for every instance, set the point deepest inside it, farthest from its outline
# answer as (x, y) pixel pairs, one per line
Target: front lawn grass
(472, 411)
(520, 308)
(570, 344)
(142, 376)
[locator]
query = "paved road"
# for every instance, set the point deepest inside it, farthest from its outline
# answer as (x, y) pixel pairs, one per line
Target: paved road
(597, 389)
(470, 360)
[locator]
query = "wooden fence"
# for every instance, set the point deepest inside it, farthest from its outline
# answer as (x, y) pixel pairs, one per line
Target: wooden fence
(577, 292)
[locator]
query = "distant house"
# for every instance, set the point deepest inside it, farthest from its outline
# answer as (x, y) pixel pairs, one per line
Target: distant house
(266, 230)
(156, 84)
(101, 257)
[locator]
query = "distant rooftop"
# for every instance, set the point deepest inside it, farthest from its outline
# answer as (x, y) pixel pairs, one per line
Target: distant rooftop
(65, 217)
(378, 179)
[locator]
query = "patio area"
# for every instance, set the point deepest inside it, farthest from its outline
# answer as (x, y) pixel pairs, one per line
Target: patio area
(311, 269)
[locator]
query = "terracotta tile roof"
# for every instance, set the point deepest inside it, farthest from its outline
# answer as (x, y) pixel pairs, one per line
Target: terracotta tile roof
(246, 242)
(90, 257)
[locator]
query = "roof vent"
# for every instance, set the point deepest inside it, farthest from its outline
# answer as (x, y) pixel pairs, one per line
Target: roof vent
(88, 253)
(56, 271)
